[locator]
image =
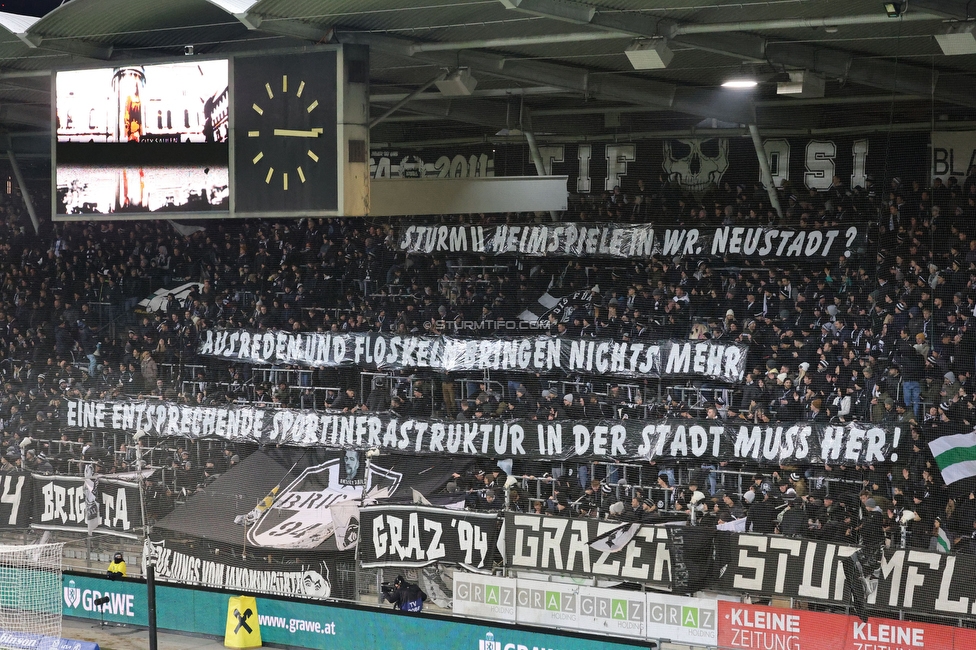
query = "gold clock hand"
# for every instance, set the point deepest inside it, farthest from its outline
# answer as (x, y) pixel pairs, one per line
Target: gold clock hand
(292, 133)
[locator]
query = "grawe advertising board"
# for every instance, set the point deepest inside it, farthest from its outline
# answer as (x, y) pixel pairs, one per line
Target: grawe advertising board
(306, 624)
(753, 626)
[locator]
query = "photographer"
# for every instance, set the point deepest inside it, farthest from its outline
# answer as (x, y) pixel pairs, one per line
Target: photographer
(405, 597)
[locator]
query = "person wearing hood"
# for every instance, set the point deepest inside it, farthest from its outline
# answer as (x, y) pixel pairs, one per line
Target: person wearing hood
(405, 596)
(379, 397)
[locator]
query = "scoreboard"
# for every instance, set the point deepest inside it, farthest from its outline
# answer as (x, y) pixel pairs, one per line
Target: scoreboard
(248, 136)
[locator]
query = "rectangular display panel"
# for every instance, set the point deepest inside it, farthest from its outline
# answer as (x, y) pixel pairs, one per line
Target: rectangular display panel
(143, 139)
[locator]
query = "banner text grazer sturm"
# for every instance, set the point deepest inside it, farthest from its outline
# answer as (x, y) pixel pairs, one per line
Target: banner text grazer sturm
(797, 442)
(926, 583)
(633, 241)
(559, 545)
(412, 536)
(651, 358)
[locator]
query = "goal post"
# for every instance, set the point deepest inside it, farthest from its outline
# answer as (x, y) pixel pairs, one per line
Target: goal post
(31, 590)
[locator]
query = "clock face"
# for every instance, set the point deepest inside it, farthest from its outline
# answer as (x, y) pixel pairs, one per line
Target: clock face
(310, 137)
(285, 134)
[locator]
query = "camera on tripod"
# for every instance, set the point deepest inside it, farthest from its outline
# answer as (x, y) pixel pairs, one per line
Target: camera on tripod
(387, 587)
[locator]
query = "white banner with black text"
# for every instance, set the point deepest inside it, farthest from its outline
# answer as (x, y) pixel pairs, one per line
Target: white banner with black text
(634, 240)
(544, 354)
(802, 443)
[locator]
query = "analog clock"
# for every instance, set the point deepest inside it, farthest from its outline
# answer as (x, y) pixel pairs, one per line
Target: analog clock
(285, 146)
(290, 167)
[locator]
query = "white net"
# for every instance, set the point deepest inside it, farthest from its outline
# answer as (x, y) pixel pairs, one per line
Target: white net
(31, 589)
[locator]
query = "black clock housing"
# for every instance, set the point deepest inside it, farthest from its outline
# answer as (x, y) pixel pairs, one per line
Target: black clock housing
(292, 172)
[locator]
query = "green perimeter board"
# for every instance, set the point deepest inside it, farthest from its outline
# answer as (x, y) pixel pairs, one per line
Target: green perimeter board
(304, 624)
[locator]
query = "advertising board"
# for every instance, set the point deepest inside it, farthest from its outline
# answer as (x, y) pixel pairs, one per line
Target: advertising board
(306, 624)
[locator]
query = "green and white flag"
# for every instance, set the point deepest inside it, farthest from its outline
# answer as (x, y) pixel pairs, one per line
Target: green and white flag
(955, 455)
(943, 541)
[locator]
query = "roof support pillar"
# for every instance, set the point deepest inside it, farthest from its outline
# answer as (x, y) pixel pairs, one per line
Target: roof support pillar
(540, 167)
(767, 176)
(24, 191)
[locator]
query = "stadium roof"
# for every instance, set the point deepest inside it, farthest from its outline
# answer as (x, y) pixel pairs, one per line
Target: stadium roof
(558, 67)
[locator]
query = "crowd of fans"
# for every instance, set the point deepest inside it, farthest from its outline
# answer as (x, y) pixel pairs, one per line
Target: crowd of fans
(881, 506)
(883, 333)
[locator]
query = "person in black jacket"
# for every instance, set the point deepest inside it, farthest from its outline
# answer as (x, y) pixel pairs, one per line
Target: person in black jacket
(840, 528)
(817, 412)
(912, 372)
(762, 516)
(872, 536)
(405, 596)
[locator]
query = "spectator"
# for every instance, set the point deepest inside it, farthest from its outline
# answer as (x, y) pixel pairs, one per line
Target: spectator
(346, 401)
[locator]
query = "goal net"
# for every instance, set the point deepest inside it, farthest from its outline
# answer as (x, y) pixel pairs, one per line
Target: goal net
(30, 590)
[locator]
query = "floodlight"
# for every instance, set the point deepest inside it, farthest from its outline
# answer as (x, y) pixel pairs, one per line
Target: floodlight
(958, 39)
(459, 83)
(740, 83)
(802, 84)
(893, 9)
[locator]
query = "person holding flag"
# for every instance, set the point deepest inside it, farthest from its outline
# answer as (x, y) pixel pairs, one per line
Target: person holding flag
(941, 538)
(93, 517)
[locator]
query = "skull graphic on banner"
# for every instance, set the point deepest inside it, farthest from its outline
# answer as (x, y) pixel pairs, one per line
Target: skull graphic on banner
(696, 164)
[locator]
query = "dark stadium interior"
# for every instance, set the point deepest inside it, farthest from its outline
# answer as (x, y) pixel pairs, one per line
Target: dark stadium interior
(743, 356)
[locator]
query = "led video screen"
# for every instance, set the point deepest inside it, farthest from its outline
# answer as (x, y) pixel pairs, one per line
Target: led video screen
(143, 139)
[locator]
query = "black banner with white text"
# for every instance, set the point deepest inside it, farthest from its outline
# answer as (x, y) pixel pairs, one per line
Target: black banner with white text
(59, 504)
(696, 164)
(640, 358)
(414, 536)
(472, 161)
(15, 499)
(923, 582)
(560, 545)
(307, 577)
(693, 164)
(664, 440)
